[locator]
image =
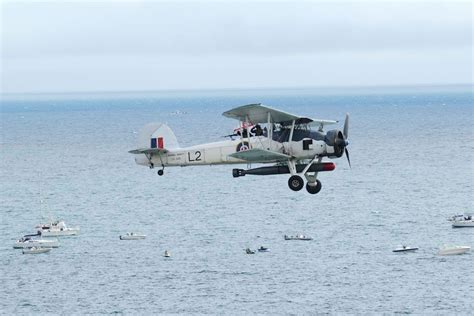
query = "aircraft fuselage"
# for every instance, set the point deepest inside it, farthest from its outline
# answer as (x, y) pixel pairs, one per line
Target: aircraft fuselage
(218, 152)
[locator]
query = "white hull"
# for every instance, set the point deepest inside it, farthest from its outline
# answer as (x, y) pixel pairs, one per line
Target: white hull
(454, 250)
(40, 243)
(132, 237)
(297, 237)
(58, 232)
(35, 250)
(469, 223)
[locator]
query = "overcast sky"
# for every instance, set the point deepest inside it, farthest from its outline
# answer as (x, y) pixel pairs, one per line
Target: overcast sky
(73, 46)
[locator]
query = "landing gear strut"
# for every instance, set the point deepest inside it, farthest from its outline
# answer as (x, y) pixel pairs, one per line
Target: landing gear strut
(295, 183)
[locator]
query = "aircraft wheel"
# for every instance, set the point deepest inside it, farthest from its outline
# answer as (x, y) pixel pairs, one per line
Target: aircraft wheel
(315, 188)
(295, 183)
(160, 172)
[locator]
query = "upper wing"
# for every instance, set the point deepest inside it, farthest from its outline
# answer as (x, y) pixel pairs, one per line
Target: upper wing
(259, 155)
(148, 151)
(258, 113)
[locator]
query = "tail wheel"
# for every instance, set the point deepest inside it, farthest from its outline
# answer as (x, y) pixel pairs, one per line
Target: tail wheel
(295, 183)
(314, 187)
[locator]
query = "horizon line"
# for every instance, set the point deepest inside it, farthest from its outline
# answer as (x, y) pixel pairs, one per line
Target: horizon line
(191, 90)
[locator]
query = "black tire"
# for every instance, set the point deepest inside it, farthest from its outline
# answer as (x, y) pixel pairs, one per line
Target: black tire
(160, 172)
(295, 183)
(313, 189)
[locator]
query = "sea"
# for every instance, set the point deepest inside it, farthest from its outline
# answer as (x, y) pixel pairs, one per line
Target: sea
(65, 156)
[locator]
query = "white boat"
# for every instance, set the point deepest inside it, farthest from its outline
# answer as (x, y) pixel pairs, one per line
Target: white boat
(463, 223)
(132, 236)
(35, 250)
(29, 242)
(57, 228)
(405, 249)
(453, 250)
(298, 237)
(167, 254)
(466, 220)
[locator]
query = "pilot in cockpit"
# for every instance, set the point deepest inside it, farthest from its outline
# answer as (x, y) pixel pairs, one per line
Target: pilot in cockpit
(257, 130)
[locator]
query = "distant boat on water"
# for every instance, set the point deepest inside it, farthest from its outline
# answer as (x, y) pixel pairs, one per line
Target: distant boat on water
(132, 236)
(28, 241)
(453, 250)
(405, 249)
(297, 237)
(459, 221)
(36, 250)
(57, 228)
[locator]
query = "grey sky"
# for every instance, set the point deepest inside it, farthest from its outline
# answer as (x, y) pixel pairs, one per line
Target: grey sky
(145, 45)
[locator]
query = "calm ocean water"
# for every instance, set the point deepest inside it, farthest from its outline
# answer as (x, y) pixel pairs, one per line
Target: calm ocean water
(412, 155)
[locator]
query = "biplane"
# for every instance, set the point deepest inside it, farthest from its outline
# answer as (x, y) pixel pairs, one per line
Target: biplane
(291, 144)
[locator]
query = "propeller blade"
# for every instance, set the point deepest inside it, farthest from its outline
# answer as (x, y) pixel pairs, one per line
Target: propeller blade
(346, 126)
(347, 155)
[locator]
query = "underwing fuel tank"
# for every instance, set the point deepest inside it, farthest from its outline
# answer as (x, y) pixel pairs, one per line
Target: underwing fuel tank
(263, 171)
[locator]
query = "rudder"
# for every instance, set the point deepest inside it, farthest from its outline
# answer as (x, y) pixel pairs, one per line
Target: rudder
(157, 135)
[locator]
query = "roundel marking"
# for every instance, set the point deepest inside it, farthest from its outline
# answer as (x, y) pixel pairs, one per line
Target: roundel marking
(243, 146)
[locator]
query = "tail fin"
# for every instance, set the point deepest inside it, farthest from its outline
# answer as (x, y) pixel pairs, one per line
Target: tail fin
(155, 138)
(157, 135)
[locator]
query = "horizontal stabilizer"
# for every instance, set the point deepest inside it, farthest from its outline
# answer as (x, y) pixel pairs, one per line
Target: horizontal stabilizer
(148, 151)
(259, 155)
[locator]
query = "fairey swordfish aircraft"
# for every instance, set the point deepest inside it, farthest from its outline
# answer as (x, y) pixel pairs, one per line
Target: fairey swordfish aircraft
(293, 144)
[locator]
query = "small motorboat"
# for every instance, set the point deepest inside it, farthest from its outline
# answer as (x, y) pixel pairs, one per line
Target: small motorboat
(462, 220)
(132, 236)
(28, 241)
(453, 250)
(36, 250)
(262, 249)
(249, 252)
(57, 228)
(167, 254)
(297, 237)
(465, 221)
(405, 249)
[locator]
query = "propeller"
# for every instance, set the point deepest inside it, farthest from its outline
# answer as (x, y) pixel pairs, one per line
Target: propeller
(347, 155)
(338, 139)
(345, 132)
(346, 126)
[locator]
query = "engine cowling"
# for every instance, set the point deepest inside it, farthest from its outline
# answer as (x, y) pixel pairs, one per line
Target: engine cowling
(335, 139)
